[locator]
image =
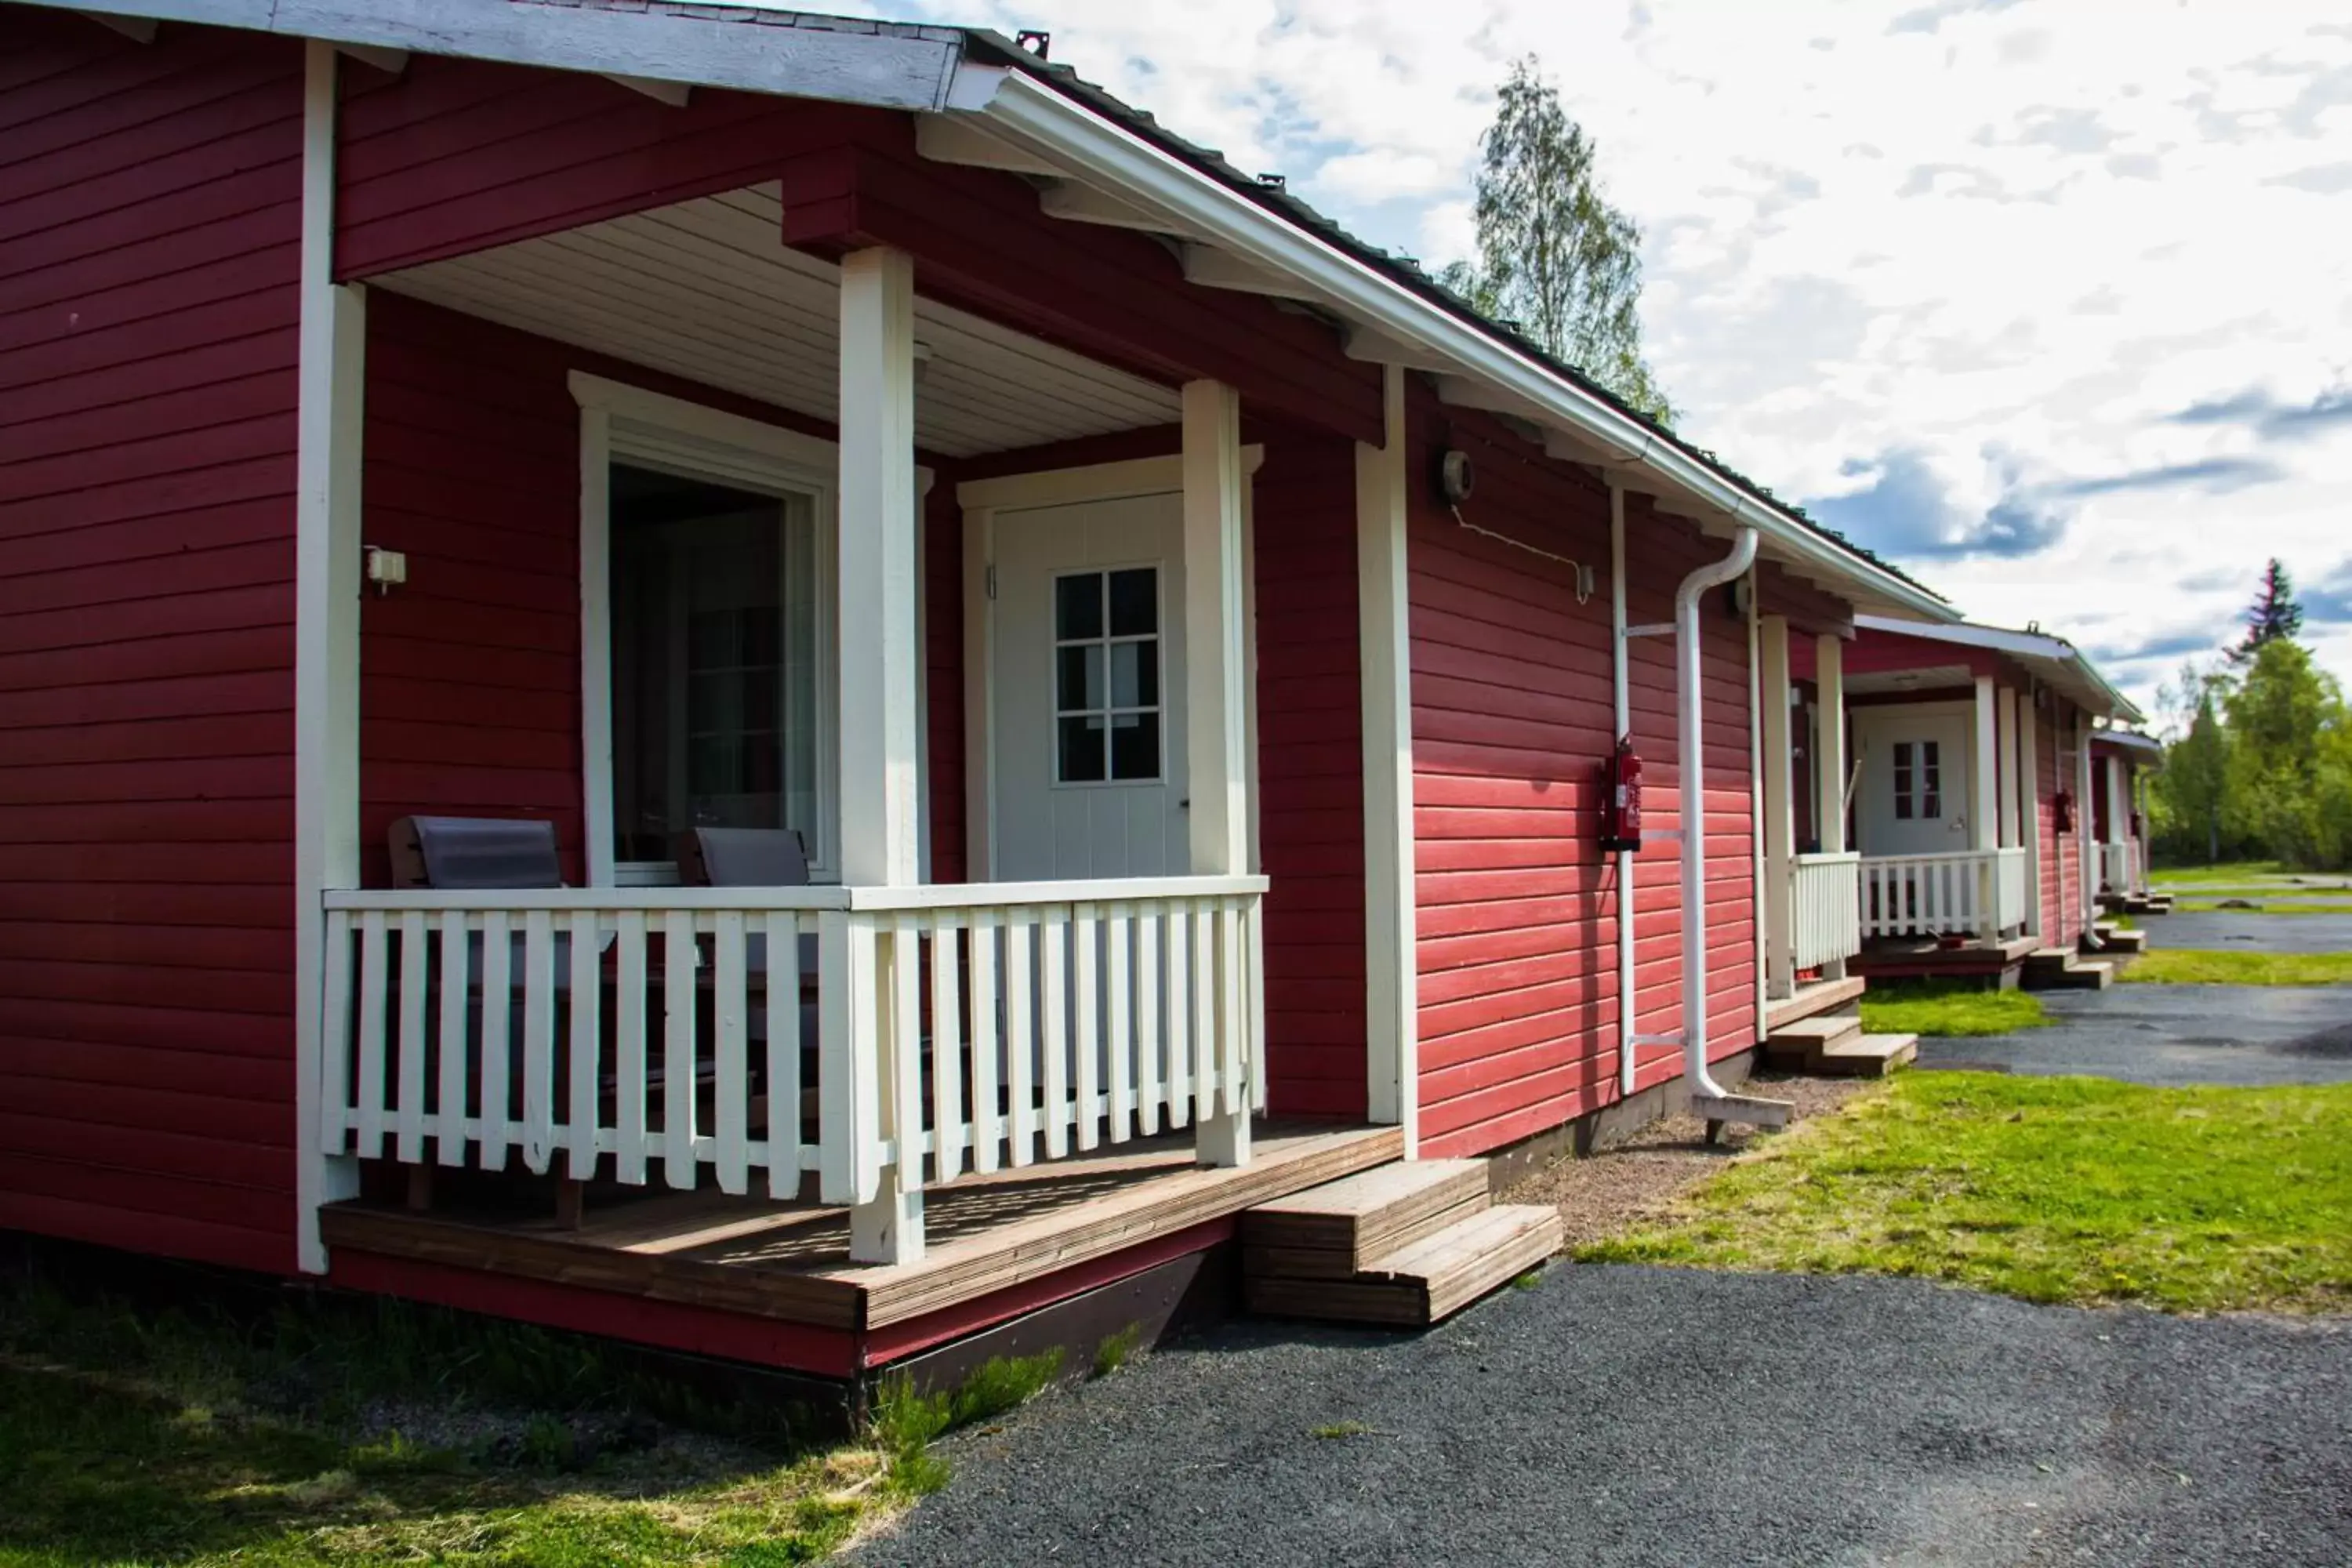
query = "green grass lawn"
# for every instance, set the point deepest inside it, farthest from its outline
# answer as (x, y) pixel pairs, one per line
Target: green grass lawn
(130, 1434)
(2186, 966)
(2248, 871)
(1939, 1008)
(2051, 1189)
(2213, 905)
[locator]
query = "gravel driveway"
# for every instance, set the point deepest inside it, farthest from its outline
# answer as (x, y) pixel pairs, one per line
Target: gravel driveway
(1644, 1416)
(2177, 1034)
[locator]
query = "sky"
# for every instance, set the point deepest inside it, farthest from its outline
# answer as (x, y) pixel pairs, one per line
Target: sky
(2048, 300)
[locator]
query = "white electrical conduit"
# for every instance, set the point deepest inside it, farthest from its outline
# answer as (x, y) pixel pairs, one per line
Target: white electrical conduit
(1625, 1044)
(1690, 761)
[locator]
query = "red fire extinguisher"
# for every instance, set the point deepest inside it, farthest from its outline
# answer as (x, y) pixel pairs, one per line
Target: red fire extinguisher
(1620, 809)
(2062, 812)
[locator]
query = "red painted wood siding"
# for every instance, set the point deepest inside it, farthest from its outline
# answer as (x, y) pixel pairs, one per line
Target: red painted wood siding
(454, 155)
(943, 674)
(2046, 786)
(1310, 777)
(1512, 719)
(149, 240)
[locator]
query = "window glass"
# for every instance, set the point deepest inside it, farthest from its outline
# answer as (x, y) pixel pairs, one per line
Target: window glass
(1931, 780)
(1903, 780)
(715, 661)
(1106, 719)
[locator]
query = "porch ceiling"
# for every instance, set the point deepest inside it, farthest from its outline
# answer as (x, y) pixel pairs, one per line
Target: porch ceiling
(1935, 677)
(707, 290)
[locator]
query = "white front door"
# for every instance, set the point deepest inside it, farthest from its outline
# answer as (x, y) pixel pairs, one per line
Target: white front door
(1089, 690)
(1915, 782)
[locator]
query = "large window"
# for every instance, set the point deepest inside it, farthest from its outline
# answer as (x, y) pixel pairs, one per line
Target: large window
(1106, 703)
(716, 661)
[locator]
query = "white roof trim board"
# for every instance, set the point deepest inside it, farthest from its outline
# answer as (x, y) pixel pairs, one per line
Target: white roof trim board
(925, 69)
(2053, 659)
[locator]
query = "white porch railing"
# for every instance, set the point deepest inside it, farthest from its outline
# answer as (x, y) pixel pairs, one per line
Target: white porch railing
(1971, 892)
(2119, 867)
(795, 1029)
(1827, 924)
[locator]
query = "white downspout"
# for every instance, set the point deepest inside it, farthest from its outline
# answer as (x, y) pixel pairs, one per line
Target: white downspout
(1624, 728)
(1690, 760)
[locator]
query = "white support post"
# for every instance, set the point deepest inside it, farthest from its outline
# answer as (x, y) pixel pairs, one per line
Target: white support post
(1780, 809)
(2012, 830)
(1392, 993)
(879, 755)
(1215, 658)
(332, 381)
(2118, 806)
(1829, 756)
(2028, 789)
(1984, 794)
(2086, 842)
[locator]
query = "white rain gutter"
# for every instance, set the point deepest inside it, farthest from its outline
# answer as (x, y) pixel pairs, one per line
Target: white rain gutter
(1017, 105)
(1690, 761)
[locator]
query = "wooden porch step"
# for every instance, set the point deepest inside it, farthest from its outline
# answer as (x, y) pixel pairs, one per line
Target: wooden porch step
(1869, 1056)
(1339, 1229)
(2055, 969)
(1426, 1282)
(1813, 998)
(1799, 1045)
(2113, 939)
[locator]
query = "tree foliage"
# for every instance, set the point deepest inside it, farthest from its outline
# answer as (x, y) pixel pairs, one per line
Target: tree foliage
(1554, 258)
(2260, 759)
(2274, 614)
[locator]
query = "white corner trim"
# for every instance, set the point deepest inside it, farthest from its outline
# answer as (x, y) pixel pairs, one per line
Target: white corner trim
(1392, 1018)
(1091, 482)
(331, 380)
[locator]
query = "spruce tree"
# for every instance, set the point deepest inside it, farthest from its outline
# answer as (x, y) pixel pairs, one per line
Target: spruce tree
(2273, 614)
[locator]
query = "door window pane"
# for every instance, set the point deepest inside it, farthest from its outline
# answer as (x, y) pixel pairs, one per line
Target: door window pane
(1903, 779)
(1106, 713)
(715, 660)
(1931, 780)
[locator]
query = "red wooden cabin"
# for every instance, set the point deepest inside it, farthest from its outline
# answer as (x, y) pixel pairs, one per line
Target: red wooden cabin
(1189, 643)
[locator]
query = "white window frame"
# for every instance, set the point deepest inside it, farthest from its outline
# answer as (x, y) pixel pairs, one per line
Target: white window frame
(628, 423)
(1158, 639)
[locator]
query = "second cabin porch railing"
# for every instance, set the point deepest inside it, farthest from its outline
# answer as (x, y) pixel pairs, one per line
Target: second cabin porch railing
(1970, 892)
(724, 1033)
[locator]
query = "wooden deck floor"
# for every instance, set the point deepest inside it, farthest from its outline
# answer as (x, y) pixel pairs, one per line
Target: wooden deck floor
(791, 1261)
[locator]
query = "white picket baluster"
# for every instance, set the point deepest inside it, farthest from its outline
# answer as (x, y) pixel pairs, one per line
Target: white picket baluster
(987, 1125)
(410, 1145)
(1019, 1037)
(629, 1049)
(538, 1039)
(498, 1016)
(947, 1051)
(904, 1118)
(732, 1096)
(679, 998)
(335, 1038)
(1119, 1020)
(1150, 1085)
(1086, 937)
(1179, 1016)
(373, 982)
(784, 1055)
(847, 1072)
(1231, 990)
(1204, 1015)
(587, 1041)
(1052, 1015)
(457, 984)
(1253, 917)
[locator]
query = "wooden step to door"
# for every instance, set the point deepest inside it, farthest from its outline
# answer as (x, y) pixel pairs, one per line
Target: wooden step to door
(1341, 1228)
(1868, 1055)
(1797, 1045)
(2113, 939)
(1426, 1282)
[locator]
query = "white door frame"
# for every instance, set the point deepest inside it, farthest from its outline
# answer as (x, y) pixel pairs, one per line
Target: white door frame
(982, 500)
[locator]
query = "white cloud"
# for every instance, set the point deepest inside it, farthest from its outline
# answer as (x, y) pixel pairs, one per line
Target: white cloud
(1968, 227)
